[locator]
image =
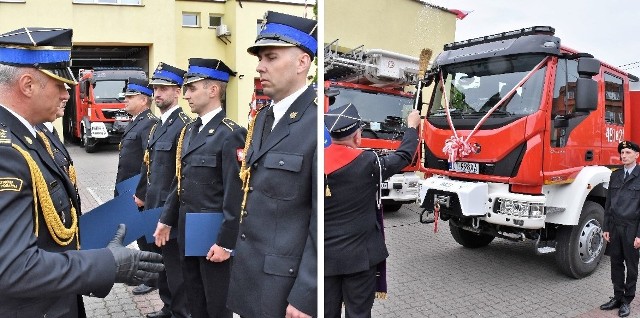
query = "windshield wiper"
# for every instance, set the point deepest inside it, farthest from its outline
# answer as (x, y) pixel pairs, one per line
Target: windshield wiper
(454, 112)
(495, 112)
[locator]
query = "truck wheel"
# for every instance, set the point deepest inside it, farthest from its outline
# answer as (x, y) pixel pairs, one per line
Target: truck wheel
(82, 137)
(68, 132)
(90, 147)
(89, 144)
(391, 207)
(580, 248)
(469, 239)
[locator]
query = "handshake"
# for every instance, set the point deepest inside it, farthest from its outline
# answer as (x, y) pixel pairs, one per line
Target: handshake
(133, 267)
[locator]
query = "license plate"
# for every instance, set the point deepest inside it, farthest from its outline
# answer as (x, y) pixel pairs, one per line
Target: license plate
(384, 185)
(466, 167)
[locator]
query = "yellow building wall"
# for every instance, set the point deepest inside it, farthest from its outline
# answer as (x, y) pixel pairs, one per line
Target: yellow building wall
(158, 25)
(402, 26)
(243, 25)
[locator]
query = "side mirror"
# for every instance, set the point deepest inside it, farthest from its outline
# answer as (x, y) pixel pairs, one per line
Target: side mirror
(588, 67)
(84, 89)
(586, 95)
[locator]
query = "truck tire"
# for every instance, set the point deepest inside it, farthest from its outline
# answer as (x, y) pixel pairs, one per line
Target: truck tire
(89, 143)
(82, 137)
(579, 248)
(469, 239)
(391, 206)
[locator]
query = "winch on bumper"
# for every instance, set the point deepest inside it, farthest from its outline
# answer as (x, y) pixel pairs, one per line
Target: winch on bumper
(490, 202)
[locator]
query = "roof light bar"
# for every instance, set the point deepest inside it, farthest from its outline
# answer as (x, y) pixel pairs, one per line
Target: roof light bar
(501, 36)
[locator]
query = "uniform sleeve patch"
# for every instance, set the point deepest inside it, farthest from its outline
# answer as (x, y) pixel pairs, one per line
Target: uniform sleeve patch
(10, 184)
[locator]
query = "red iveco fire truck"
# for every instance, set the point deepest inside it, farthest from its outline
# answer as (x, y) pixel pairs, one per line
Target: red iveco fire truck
(373, 81)
(519, 140)
(94, 113)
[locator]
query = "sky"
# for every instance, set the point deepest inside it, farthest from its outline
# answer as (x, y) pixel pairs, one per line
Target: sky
(608, 29)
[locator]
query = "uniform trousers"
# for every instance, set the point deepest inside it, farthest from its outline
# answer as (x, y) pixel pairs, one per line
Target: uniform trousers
(207, 285)
(170, 282)
(356, 290)
(622, 252)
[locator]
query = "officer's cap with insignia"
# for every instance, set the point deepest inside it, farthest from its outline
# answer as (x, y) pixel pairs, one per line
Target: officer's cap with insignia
(342, 121)
(200, 69)
(166, 74)
(46, 49)
(137, 86)
(628, 144)
(281, 29)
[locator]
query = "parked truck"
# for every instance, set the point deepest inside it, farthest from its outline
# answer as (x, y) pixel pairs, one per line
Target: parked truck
(374, 81)
(519, 139)
(95, 111)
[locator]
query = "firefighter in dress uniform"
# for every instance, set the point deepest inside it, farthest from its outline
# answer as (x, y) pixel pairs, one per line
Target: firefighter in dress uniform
(274, 272)
(621, 228)
(158, 171)
(353, 238)
(137, 101)
(207, 181)
(55, 147)
(42, 271)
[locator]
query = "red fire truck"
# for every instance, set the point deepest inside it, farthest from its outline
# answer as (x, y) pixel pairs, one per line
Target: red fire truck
(94, 113)
(519, 140)
(373, 81)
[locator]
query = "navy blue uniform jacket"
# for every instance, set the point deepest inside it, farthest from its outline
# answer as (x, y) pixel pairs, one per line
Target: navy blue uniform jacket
(38, 277)
(276, 254)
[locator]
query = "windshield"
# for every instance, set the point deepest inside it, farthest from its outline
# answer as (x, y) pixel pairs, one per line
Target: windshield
(474, 88)
(384, 115)
(109, 90)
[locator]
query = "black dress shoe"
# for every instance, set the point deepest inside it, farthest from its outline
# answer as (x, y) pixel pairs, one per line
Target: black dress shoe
(142, 289)
(612, 304)
(159, 314)
(624, 310)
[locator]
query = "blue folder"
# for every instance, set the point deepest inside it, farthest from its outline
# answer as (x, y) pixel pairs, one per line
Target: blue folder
(128, 185)
(150, 219)
(201, 232)
(98, 226)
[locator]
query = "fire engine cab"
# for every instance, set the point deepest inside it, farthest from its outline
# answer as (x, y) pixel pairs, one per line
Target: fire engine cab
(519, 139)
(95, 111)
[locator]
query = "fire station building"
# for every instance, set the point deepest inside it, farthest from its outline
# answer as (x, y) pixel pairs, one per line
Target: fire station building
(142, 33)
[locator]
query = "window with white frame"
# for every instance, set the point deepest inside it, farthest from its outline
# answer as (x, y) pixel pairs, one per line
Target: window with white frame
(190, 19)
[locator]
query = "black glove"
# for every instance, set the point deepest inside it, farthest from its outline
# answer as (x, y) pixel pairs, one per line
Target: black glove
(133, 267)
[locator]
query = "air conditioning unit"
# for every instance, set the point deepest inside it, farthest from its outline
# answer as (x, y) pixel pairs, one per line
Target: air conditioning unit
(222, 30)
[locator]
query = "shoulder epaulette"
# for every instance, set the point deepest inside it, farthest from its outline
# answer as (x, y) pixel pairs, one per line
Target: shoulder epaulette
(230, 123)
(185, 118)
(152, 116)
(5, 136)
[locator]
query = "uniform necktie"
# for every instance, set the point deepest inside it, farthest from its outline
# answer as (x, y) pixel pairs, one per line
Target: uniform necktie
(626, 175)
(196, 126)
(268, 124)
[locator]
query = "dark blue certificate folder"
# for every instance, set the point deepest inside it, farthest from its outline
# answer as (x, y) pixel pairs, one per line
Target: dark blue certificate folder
(128, 185)
(201, 232)
(98, 226)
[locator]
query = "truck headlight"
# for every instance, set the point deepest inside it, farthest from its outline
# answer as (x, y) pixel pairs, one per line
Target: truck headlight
(520, 208)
